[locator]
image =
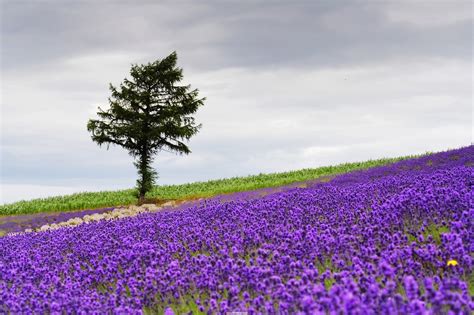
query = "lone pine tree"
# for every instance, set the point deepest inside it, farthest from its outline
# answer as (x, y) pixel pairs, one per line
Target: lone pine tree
(149, 113)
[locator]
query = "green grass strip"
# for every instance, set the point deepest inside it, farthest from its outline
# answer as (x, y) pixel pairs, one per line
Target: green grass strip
(91, 200)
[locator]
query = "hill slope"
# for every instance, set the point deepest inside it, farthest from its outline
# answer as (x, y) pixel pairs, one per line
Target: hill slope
(91, 200)
(396, 239)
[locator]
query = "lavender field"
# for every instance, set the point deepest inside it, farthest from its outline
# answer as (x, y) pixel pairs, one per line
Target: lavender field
(397, 239)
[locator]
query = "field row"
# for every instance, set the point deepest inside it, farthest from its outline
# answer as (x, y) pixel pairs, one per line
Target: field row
(91, 200)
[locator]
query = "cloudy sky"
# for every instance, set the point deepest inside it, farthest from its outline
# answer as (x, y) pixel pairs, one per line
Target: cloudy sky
(289, 85)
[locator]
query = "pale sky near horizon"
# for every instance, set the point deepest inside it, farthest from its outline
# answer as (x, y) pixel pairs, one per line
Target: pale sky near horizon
(289, 85)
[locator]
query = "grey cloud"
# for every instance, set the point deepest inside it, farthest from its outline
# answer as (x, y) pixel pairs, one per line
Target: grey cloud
(308, 37)
(218, 35)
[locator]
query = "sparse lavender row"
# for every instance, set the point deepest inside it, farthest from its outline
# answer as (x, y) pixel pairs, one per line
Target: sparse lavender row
(31, 221)
(376, 241)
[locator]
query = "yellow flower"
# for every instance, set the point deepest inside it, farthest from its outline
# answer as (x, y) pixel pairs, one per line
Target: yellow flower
(452, 262)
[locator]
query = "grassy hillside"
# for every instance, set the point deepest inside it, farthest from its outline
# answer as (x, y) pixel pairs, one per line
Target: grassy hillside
(91, 200)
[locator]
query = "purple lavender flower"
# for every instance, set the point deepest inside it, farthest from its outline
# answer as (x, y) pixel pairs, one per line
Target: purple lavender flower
(367, 242)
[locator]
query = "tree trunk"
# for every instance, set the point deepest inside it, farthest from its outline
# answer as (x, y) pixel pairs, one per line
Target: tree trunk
(144, 177)
(144, 165)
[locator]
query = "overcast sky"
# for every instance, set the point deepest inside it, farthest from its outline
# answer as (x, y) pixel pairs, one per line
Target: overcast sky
(289, 85)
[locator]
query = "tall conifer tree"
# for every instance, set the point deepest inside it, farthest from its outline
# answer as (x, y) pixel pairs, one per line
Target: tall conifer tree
(149, 113)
